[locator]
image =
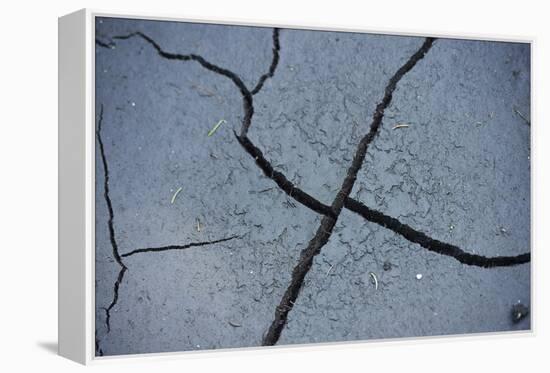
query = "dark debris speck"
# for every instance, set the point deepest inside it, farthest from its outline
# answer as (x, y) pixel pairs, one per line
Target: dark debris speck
(519, 312)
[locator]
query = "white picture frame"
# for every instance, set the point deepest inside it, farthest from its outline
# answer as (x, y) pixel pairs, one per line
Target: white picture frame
(77, 168)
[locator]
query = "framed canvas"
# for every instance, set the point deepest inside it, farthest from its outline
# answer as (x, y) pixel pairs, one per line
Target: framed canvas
(229, 185)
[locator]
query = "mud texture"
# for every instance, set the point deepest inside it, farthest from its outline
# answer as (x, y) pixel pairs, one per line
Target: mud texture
(428, 233)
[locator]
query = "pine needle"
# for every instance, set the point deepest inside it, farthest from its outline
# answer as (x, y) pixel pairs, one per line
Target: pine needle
(215, 128)
(175, 195)
(375, 280)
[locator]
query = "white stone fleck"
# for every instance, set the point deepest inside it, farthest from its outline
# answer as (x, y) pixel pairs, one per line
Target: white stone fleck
(419, 276)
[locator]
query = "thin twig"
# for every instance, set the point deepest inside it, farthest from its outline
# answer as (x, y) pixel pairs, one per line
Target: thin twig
(371, 274)
(522, 116)
(214, 129)
(175, 195)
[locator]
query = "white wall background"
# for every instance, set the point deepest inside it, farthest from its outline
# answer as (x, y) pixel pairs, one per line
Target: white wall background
(28, 187)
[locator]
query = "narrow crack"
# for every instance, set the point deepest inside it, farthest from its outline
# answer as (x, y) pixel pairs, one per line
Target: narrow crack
(110, 223)
(247, 96)
(112, 236)
(177, 247)
(113, 241)
(108, 45)
(431, 244)
(327, 222)
(98, 349)
(118, 281)
(274, 63)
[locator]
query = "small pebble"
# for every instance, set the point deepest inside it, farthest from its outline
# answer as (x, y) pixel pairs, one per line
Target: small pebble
(387, 266)
(419, 276)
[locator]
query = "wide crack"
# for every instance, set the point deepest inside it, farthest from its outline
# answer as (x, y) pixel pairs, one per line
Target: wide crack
(328, 222)
(342, 199)
(281, 180)
(431, 244)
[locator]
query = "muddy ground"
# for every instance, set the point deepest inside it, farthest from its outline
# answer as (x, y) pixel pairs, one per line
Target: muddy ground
(457, 168)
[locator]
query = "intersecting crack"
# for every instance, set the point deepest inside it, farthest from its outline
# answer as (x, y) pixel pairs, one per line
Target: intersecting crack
(379, 218)
(328, 222)
(112, 237)
(281, 180)
(342, 200)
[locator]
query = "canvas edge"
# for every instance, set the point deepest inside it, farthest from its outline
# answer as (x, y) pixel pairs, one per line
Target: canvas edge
(301, 25)
(73, 192)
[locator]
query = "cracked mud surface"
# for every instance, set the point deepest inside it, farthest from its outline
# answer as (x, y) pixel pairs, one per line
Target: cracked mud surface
(211, 269)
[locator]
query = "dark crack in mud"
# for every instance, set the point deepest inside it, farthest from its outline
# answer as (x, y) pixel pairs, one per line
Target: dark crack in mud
(328, 222)
(281, 180)
(247, 96)
(103, 44)
(112, 235)
(431, 244)
(329, 214)
(177, 247)
(274, 63)
(115, 249)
